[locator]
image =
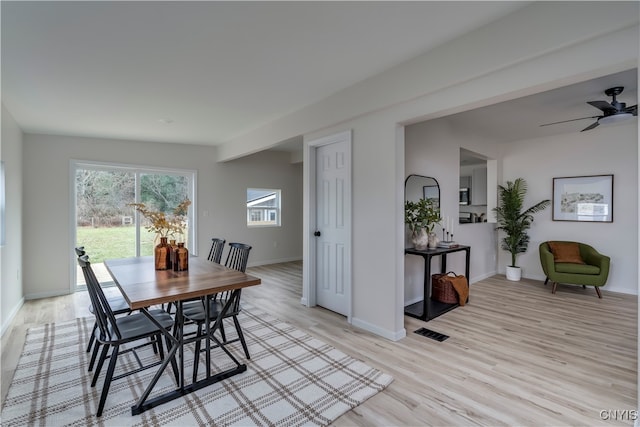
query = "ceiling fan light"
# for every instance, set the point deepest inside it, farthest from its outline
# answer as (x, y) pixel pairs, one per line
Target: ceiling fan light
(615, 118)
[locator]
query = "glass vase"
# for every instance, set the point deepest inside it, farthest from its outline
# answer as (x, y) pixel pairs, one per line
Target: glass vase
(161, 254)
(172, 253)
(181, 258)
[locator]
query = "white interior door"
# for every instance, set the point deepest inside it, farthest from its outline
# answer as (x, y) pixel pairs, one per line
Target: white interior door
(332, 233)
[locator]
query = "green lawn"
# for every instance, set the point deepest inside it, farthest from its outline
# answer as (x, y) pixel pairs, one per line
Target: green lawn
(112, 242)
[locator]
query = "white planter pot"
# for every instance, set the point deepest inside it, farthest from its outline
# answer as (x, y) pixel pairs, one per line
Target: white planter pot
(514, 273)
(420, 239)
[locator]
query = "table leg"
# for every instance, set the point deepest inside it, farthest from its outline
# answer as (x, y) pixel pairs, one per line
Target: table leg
(177, 350)
(207, 344)
(427, 287)
(141, 406)
(467, 259)
(466, 270)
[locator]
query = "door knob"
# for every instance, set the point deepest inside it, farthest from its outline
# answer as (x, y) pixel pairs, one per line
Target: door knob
(317, 233)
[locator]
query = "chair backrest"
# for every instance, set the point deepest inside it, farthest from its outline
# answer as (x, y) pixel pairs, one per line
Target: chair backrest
(215, 253)
(105, 318)
(237, 260)
(238, 256)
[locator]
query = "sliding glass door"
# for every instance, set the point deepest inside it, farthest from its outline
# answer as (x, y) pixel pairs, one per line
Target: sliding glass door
(105, 222)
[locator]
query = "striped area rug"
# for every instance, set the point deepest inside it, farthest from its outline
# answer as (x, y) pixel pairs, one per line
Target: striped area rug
(291, 379)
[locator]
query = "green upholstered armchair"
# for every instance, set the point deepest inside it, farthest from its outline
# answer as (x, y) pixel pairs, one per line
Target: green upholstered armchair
(593, 272)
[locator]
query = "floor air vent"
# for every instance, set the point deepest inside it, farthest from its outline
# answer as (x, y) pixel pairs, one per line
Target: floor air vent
(431, 334)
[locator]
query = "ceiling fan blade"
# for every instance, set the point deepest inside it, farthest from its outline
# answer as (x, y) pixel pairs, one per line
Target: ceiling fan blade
(591, 126)
(633, 110)
(572, 120)
(604, 106)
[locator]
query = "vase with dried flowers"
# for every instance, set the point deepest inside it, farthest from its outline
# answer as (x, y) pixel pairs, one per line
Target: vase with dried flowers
(164, 226)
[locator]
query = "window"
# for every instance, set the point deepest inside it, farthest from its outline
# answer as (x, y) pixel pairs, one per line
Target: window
(263, 207)
(106, 223)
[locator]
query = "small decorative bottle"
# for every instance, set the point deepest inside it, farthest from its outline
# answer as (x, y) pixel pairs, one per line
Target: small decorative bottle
(181, 258)
(433, 240)
(172, 253)
(161, 254)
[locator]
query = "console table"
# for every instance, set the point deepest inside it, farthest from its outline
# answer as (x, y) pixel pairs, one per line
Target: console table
(428, 309)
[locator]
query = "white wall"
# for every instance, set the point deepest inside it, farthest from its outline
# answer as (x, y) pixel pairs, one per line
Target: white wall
(601, 151)
(221, 190)
(11, 254)
(432, 148)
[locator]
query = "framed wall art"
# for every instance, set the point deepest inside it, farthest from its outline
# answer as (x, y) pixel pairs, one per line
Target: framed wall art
(583, 198)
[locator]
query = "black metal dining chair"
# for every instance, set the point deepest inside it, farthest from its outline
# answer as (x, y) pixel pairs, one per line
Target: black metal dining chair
(215, 253)
(113, 332)
(117, 303)
(195, 311)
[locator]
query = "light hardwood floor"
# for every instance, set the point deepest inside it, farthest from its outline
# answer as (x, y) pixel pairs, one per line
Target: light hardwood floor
(517, 355)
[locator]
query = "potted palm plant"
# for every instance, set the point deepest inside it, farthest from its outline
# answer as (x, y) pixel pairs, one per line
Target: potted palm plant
(515, 221)
(421, 217)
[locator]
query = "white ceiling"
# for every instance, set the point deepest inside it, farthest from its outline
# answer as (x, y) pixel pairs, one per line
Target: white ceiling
(521, 118)
(206, 72)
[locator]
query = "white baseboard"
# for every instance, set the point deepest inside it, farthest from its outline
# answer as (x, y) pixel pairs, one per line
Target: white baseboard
(482, 277)
(47, 294)
(12, 315)
(273, 261)
(390, 335)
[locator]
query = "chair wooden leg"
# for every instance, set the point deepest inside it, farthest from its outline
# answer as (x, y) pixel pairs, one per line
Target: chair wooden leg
(598, 291)
(546, 281)
(584, 287)
(555, 286)
(107, 380)
(241, 336)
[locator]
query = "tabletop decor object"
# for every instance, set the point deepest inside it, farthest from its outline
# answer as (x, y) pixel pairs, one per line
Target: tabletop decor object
(165, 226)
(180, 258)
(421, 217)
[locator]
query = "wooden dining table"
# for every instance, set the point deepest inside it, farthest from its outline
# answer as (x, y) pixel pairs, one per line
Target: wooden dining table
(143, 287)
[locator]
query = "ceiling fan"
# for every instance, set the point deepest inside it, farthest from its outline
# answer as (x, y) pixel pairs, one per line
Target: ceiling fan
(611, 112)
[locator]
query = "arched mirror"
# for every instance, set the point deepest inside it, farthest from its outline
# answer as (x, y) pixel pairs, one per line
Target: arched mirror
(418, 187)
